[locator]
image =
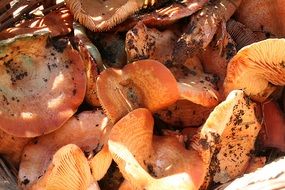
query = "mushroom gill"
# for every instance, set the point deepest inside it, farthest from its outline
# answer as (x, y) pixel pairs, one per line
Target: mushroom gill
(41, 84)
(145, 83)
(88, 130)
(69, 169)
(153, 163)
(257, 69)
(227, 138)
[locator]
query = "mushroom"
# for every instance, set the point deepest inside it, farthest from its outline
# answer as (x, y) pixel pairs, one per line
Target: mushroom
(257, 69)
(69, 169)
(227, 138)
(88, 130)
(145, 83)
(41, 85)
(104, 15)
(58, 23)
(263, 16)
(12, 147)
(202, 27)
(153, 163)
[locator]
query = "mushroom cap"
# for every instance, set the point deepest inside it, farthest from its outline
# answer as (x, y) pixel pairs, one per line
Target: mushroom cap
(88, 130)
(41, 85)
(228, 136)
(102, 15)
(255, 67)
(145, 83)
(69, 169)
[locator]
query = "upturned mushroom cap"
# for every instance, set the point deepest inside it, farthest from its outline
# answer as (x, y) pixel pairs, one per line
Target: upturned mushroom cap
(141, 159)
(145, 83)
(88, 130)
(69, 169)
(257, 68)
(42, 84)
(103, 15)
(228, 136)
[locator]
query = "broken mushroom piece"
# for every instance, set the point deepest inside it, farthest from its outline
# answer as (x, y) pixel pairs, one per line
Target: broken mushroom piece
(227, 138)
(147, 163)
(104, 15)
(69, 169)
(42, 84)
(145, 83)
(88, 130)
(257, 69)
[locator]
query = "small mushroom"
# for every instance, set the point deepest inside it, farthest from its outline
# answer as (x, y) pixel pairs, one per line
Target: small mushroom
(147, 163)
(145, 83)
(41, 85)
(88, 130)
(227, 138)
(104, 15)
(69, 169)
(257, 69)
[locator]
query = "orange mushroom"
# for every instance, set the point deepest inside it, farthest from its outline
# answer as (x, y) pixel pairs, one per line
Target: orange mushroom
(88, 130)
(227, 138)
(147, 163)
(41, 85)
(144, 83)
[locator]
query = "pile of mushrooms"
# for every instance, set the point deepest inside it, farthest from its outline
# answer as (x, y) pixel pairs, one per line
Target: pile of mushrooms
(144, 95)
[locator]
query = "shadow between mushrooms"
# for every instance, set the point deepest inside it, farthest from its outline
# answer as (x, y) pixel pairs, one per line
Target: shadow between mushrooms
(257, 69)
(89, 130)
(42, 84)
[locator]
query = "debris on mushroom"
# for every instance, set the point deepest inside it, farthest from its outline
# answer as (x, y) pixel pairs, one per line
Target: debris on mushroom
(92, 60)
(263, 17)
(104, 15)
(227, 138)
(257, 69)
(69, 169)
(145, 83)
(202, 27)
(241, 34)
(41, 85)
(184, 113)
(255, 163)
(58, 23)
(147, 163)
(12, 147)
(88, 130)
(274, 123)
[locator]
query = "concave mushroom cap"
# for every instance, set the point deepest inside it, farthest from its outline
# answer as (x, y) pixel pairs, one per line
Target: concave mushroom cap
(57, 22)
(145, 83)
(228, 136)
(69, 169)
(42, 84)
(255, 68)
(103, 15)
(88, 130)
(135, 152)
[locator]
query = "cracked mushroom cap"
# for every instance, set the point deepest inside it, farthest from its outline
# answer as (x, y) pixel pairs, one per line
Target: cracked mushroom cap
(257, 69)
(159, 163)
(145, 83)
(103, 15)
(42, 84)
(88, 130)
(227, 137)
(69, 169)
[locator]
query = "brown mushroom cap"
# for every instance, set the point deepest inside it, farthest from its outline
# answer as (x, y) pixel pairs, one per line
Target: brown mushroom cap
(102, 15)
(88, 130)
(228, 136)
(145, 83)
(69, 169)
(41, 84)
(255, 68)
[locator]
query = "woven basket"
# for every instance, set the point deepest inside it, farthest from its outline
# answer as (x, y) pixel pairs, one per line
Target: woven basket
(13, 11)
